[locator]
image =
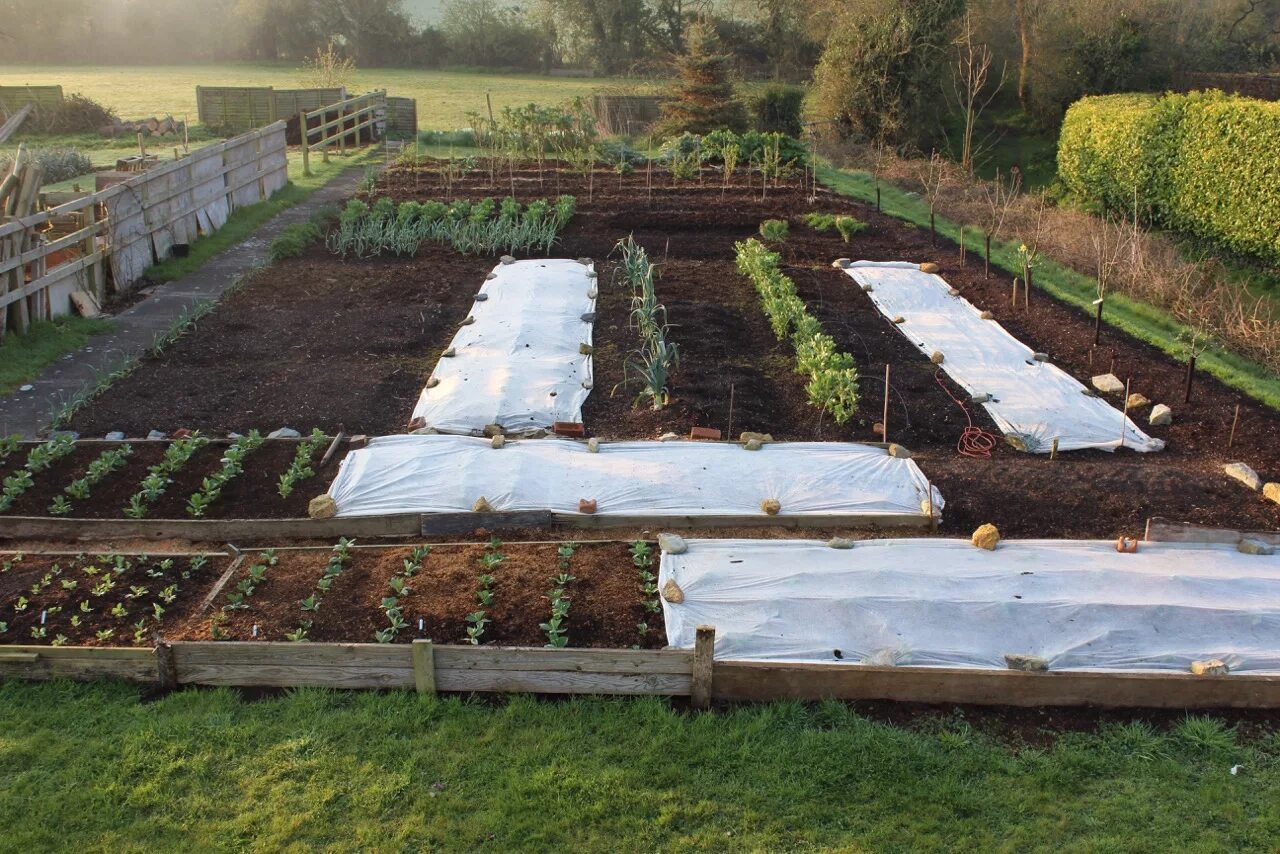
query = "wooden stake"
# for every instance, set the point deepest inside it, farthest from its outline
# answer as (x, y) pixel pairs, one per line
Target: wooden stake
(884, 423)
(933, 229)
(424, 666)
(142, 148)
(1026, 291)
(877, 199)
(1191, 372)
(987, 270)
(1234, 423)
(306, 147)
(1124, 413)
(1097, 323)
(1013, 297)
(1053, 450)
(703, 666)
(729, 432)
(962, 247)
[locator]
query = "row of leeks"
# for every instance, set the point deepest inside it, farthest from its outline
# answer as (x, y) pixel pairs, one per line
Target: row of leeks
(473, 228)
(657, 357)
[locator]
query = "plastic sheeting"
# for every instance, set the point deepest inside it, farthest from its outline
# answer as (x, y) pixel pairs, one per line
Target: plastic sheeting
(1079, 605)
(1032, 401)
(439, 474)
(520, 363)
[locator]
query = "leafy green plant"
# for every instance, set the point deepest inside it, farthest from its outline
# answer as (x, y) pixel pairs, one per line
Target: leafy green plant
(642, 557)
(232, 466)
(399, 586)
(652, 364)
(107, 462)
(160, 475)
(833, 376)
(300, 468)
(555, 630)
(40, 458)
(775, 230)
(477, 620)
(849, 227)
(821, 222)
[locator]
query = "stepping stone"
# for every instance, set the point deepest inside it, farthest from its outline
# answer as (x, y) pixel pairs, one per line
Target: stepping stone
(1108, 384)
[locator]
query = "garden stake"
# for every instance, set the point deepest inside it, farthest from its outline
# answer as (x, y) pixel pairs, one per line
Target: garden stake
(1013, 301)
(1026, 291)
(1097, 322)
(933, 230)
(1191, 370)
(1124, 413)
(1112, 368)
(1053, 450)
(729, 432)
(877, 200)
(884, 424)
(1234, 422)
(987, 270)
(962, 247)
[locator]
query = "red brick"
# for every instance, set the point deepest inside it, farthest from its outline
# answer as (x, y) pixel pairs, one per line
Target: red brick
(569, 428)
(709, 433)
(586, 505)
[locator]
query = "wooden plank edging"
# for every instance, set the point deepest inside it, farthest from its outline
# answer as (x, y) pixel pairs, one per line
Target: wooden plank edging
(208, 530)
(429, 668)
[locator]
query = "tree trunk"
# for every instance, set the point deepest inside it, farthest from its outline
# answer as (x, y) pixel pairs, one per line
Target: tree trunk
(1024, 36)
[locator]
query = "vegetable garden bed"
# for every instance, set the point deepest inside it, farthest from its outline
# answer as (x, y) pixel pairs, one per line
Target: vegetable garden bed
(374, 328)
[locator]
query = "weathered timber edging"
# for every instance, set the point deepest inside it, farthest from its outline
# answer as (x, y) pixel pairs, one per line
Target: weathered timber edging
(429, 668)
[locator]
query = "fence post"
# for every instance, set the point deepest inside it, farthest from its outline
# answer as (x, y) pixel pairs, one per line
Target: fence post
(703, 664)
(306, 145)
(93, 273)
(424, 667)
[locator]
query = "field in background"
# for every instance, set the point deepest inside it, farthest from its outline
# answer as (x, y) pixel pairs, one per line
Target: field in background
(444, 97)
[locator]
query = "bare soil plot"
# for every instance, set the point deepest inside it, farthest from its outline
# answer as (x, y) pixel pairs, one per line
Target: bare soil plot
(320, 342)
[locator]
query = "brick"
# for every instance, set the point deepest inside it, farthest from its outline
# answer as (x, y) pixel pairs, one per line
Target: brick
(708, 433)
(572, 429)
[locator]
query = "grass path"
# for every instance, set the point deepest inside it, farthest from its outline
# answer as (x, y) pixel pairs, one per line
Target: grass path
(91, 767)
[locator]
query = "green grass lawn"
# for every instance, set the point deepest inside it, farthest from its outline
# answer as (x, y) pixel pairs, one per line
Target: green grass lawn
(24, 357)
(93, 768)
(444, 97)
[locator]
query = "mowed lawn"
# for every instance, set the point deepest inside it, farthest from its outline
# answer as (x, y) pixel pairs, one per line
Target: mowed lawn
(96, 768)
(444, 98)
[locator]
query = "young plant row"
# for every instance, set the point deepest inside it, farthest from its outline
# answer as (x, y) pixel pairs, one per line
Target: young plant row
(473, 228)
(846, 226)
(255, 577)
(833, 375)
(398, 587)
(81, 488)
(478, 619)
(554, 628)
(651, 365)
(39, 458)
(338, 560)
(642, 557)
(232, 467)
(102, 590)
(160, 476)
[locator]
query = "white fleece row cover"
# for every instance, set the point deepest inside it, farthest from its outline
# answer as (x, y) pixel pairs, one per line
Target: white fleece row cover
(944, 603)
(520, 363)
(443, 474)
(1031, 400)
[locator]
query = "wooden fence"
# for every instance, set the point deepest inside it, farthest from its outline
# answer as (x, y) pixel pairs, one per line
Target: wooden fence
(341, 124)
(402, 117)
(430, 668)
(47, 99)
(242, 108)
(134, 224)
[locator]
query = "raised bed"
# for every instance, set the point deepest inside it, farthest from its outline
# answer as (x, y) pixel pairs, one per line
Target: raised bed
(430, 668)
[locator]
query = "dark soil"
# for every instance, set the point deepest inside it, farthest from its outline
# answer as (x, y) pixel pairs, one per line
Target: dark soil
(321, 341)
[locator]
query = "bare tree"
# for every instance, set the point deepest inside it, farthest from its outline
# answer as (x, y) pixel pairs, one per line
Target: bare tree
(932, 175)
(1027, 15)
(999, 196)
(1110, 239)
(970, 89)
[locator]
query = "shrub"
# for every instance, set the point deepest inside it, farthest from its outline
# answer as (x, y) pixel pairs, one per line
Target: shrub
(56, 164)
(80, 114)
(294, 240)
(776, 109)
(775, 230)
(849, 226)
(820, 221)
(1202, 163)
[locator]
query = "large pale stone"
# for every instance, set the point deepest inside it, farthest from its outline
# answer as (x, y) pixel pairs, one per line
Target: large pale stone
(1108, 384)
(772, 506)
(986, 537)
(673, 544)
(1137, 401)
(1244, 474)
(839, 543)
(1254, 547)
(1027, 663)
(748, 435)
(672, 592)
(1271, 492)
(1212, 667)
(322, 507)
(1161, 416)
(929, 267)
(482, 505)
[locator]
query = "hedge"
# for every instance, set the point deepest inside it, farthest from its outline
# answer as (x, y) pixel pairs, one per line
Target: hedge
(1203, 163)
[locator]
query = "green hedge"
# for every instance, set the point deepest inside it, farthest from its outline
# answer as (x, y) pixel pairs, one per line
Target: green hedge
(1204, 163)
